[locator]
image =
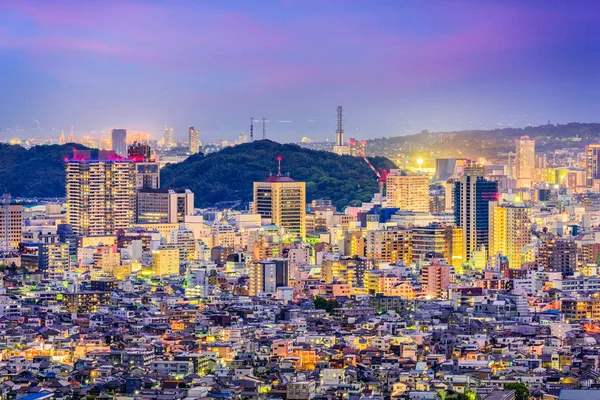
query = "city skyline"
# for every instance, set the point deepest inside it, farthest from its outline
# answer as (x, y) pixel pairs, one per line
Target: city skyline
(396, 68)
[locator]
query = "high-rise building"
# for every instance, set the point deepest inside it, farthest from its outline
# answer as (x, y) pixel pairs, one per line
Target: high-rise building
(100, 194)
(194, 140)
(407, 192)
(139, 151)
(455, 250)
(118, 138)
(435, 277)
(11, 226)
(472, 194)
(168, 137)
(524, 161)
(164, 206)
(592, 163)
(147, 170)
(509, 227)
(283, 201)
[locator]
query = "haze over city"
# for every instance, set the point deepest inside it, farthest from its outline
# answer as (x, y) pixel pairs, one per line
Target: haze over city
(398, 67)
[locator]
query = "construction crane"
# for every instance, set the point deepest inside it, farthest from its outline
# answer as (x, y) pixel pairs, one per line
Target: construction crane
(381, 175)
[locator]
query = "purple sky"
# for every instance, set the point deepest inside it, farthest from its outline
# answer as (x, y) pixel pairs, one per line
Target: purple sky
(396, 66)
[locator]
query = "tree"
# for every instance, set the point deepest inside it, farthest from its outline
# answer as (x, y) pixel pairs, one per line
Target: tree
(521, 391)
(324, 304)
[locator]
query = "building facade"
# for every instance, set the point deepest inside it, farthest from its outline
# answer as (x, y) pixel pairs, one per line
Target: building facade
(283, 201)
(100, 195)
(407, 192)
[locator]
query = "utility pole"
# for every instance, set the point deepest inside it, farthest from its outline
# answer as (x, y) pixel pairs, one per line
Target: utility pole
(264, 133)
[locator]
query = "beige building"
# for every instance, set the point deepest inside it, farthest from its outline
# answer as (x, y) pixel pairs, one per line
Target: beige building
(407, 192)
(165, 261)
(509, 228)
(524, 161)
(100, 195)
(14, 224)
(389, 246)
(283, 201)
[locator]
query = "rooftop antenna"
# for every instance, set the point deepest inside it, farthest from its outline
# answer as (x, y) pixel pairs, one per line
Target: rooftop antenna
(251, 129)
(264, 134)
(279, 158)
(339, 133)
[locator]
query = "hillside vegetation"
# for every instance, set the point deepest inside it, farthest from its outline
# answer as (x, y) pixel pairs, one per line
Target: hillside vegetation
(228, 175)
(35, 172)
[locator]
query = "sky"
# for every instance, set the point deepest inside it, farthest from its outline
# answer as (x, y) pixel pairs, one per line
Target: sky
(397, 67)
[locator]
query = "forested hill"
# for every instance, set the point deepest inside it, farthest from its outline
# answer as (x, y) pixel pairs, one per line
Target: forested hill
(35, 172)
(228, 175)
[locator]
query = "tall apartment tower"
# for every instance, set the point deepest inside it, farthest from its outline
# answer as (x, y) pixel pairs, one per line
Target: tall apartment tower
(472, 194)
(524, 161)
(592, 163)
(168, 137)
(100, 194)
(282, 200)
(509, 227)
(118, 138)
(194, 140)
(407, 192)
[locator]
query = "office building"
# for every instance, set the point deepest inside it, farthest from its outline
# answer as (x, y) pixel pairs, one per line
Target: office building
(283, 201)
(509, 227)
(119, 141)
(194, 140)
(100, 194)
(164, 206)
(168, 137)
(524, 161)
(592, 163)
(407, 192)
(11, 230)
(472, 194)
(435, 278)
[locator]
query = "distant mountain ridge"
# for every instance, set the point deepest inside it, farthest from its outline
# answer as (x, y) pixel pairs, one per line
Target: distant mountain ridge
(490, 143)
